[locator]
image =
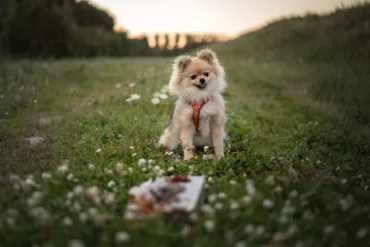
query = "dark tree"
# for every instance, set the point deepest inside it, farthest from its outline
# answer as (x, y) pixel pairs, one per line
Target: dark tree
(86, 15)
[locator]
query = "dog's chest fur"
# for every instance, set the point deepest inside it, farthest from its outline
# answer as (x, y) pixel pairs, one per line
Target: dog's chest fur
(207, 113)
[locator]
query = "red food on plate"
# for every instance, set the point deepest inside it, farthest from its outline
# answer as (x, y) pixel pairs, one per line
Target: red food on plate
(178, 179)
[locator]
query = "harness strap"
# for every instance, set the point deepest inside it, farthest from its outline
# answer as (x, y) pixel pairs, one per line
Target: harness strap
(197, 105)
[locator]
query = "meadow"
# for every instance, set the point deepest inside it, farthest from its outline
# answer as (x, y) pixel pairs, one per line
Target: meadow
(75, 135)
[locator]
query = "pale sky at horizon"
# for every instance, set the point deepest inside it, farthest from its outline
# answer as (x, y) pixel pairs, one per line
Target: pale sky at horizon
(230, 17)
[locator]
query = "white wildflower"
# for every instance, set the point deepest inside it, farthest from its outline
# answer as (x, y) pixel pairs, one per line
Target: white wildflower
(92, 194)
(207, 209)
(163, 96)
(232, 182)
(46, 175)
(63, 169)
(34, 140)
(250, 188)
(91, 167)
(249, 228)
(260, 230)
(134, 154)
(111, 184)
(278, 237)
(142, 162)
(76, 207)
(129, 215)
(132, 84)
(75, 243)
(29, 182)
(308, 215)
(293, 194)
(151, 162)
(135, 96)
(266, 203)
(108, 172)
(67, 221)
(206, 148)
(292, 229)
(193, 216)
(10, 221)
(83, 217)
(171, 169)
(270, 180)
(70, 195)
(222, 195)
(234, 205)
(283, 219)
(328, 229)
(98, 150)
(278, 189)
(240, 244)
(92, 211)
(346, 203)
(219, 206)
(78, 189)
(209, 225)
(109, 198)
(122, 237)
(70, 176)
(40, 214)
(35, 198)
(185, 230)
(212, 197)
(155, 101)
(288, 210)
(361, 233)
(119, 166)
(247, 200)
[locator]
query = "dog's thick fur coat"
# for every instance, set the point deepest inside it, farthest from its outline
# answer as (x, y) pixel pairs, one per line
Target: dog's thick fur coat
(192, 79)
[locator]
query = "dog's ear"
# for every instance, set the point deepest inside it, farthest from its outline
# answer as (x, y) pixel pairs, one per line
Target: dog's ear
(182, 62)
(207, 55)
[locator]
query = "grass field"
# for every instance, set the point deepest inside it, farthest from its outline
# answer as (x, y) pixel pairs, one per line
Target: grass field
(296, 171)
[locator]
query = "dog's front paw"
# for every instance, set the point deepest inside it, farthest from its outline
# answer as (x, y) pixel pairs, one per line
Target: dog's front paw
(219, 152)
(188, 155)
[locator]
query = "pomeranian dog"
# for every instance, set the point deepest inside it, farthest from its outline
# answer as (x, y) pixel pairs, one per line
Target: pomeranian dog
(199, 117)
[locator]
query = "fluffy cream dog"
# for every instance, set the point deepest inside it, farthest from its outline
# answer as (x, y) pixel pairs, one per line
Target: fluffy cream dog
(199, 116)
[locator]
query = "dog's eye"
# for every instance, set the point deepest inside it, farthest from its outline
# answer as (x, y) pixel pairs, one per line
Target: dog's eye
(206, 74)
(193, 77)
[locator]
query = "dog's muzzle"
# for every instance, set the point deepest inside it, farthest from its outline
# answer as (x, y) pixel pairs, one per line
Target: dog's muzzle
(202, 83)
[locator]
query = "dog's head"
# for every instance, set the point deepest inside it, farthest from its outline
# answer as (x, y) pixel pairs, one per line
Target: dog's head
(196, 77)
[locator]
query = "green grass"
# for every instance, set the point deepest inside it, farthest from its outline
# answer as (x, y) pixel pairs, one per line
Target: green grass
(304, 156)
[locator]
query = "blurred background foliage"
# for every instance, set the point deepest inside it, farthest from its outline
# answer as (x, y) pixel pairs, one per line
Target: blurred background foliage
(72, 28)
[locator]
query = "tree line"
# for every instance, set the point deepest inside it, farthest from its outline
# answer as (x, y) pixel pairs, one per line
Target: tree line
(72, 28)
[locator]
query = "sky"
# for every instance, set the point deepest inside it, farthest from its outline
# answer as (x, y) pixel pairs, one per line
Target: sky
(228, 17)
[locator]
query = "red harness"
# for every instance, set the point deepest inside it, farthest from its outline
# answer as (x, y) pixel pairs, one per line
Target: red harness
(197, 105)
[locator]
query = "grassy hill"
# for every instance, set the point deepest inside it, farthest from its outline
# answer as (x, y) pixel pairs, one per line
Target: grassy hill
(331, 53)
(296, 171)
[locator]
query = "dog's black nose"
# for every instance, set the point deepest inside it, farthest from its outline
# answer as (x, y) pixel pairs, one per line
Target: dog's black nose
(201, 80)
